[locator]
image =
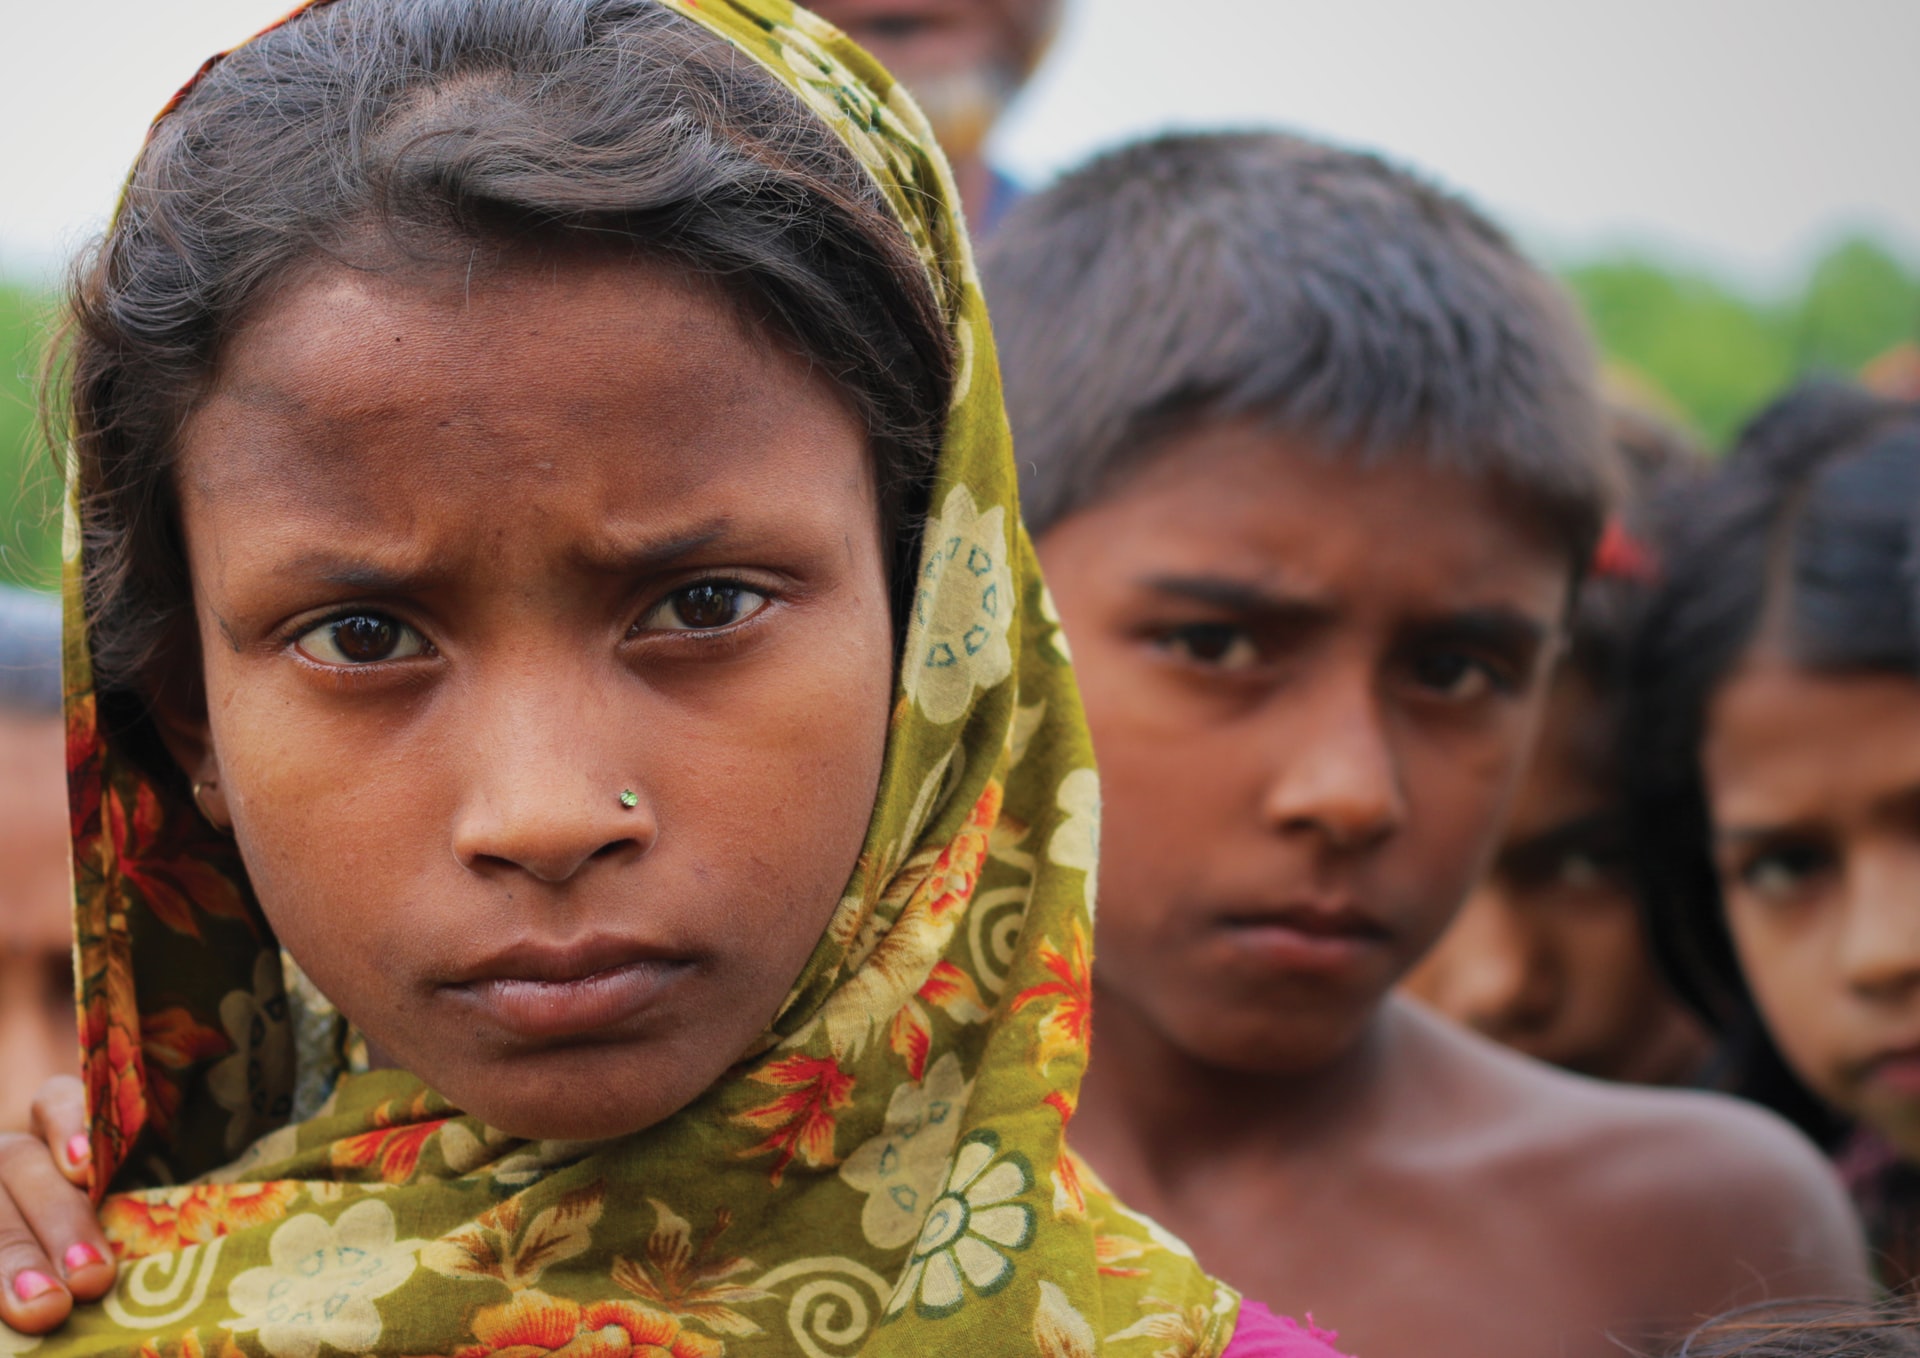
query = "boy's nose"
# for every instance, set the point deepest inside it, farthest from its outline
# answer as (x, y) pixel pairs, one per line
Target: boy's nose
(1337, 777)
(545, 799)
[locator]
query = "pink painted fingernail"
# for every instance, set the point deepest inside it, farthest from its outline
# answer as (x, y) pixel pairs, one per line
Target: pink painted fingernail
(79, 1257)
(79, 1150)
(31, 1283)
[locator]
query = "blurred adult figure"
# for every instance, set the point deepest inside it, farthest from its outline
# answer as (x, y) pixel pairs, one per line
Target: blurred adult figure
(1550, 956)
(964, 60)
(36, 968)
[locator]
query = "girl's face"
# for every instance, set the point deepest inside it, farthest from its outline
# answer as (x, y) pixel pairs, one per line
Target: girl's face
(547, 658)
(1814, 784)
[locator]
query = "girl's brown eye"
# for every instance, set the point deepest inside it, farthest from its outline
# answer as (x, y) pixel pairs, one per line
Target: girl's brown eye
(705, 607)
(360, 639)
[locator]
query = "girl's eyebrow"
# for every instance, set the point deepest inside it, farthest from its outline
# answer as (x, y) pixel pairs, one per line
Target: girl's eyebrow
(643, 556)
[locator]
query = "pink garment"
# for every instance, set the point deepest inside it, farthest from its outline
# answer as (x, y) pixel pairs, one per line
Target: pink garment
(1262, 1334)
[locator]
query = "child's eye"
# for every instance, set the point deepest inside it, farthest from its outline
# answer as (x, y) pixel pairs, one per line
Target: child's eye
(1217, 645)
(360, 639)
(1780, 873)
(1455, 676)
(705, 607)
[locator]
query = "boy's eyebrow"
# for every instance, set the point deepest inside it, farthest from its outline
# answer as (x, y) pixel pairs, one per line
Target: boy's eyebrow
(1494, 627)
(1235, 596)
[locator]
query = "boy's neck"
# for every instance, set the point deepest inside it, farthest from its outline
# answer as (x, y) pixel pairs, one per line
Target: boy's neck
(1147, 1106)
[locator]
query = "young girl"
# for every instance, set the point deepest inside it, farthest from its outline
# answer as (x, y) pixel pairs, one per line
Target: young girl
(567, 784)
(1776, 772)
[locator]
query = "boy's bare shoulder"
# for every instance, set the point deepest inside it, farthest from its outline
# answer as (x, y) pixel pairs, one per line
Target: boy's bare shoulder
(1676, 1176)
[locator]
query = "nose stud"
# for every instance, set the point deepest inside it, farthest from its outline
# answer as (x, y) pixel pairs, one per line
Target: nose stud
(629, 798)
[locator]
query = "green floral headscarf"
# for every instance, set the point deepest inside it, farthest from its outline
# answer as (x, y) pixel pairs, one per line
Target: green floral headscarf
(887, 1176)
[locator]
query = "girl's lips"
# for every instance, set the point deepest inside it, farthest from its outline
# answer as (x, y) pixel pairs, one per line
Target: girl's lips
(539, 1000)
(1897, 1072)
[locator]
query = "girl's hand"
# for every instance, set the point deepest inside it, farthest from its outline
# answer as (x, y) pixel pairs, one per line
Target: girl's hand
(45, 1215)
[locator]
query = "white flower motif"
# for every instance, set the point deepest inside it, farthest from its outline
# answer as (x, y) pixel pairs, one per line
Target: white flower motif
(1057, 638)
(900, 1169)
(255, 1081)
(13, 1343)
(957, 642)
(1076, 840)
(973, 1221)
(323, 1281)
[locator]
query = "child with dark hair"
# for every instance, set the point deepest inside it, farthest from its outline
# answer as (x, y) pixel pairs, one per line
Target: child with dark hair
(582, 844)
(1775, 772)
(1549, 955)
(1314, 460)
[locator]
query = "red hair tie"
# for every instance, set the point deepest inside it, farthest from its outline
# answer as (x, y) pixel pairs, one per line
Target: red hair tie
(1622, 556)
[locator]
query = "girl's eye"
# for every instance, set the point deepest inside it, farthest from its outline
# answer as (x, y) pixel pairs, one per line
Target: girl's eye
(1217, 645)
(1781, 873)
(360, 639)
(704, 607)
(1454, 675)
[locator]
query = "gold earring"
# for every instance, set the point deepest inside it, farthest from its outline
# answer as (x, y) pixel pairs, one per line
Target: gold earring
(201, 806)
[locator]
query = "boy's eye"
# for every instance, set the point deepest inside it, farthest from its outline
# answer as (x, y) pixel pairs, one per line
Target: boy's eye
(704, 607)
(1780, 873)
(360, 639)
(1453, 675)
(1217, 645)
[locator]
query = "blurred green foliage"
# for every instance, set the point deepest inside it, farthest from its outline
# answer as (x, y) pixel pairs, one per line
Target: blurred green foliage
(1718, 354)
(1712, 352)
(29, 481)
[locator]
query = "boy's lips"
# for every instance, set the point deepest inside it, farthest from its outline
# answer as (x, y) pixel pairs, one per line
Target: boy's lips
(542, 991)
(1329, 937)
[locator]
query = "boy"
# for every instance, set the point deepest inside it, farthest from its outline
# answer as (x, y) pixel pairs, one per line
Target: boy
(1314, 462)
(1549, 955)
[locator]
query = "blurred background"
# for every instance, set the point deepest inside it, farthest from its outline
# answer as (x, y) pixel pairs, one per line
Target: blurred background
(1732, 189)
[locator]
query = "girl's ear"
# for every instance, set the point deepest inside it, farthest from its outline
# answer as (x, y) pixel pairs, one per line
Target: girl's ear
(180, 716)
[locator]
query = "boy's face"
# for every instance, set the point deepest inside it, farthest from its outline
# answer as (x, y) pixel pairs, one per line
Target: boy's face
(1312, 686)
(547, 663)
(1549, 955)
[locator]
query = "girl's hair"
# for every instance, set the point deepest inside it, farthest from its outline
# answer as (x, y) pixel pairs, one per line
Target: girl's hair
(1808, 1329)
(1808, 530)
(399, 135)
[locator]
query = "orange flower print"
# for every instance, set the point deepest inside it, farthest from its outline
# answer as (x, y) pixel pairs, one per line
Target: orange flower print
(395, 1149)
(910, 1034)
(172, 1043)
(801, 1121)
(1064, 1030)
(1069, 1192)
(83, 768)
(115, 1074)
(534, 1324)
(155, 864)
(162, 1220)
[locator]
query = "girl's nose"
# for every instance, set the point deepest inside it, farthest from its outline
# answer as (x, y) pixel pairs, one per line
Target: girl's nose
(546, 799)
(1880, 946)
(551, 834)
(1497, 976)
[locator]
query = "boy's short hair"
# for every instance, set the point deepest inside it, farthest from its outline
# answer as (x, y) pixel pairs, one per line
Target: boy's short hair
(1197, 277)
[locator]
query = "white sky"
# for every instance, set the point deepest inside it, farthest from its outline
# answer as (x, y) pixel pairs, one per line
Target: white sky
(1739, 134)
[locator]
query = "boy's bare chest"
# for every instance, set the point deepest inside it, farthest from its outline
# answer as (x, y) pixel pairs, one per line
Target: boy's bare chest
(1410, 1266)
